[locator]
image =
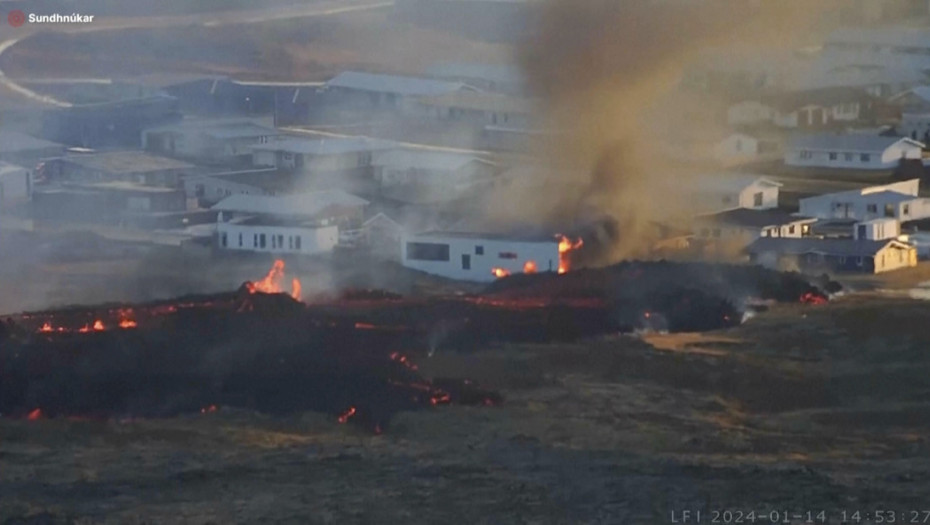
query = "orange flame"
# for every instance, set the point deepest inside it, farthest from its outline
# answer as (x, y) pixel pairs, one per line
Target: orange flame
(272, 282)
(98, 325)
(500, 272)
(566, 245)
(128, 323)
(348, 413)
(46, 327)
(529, 267)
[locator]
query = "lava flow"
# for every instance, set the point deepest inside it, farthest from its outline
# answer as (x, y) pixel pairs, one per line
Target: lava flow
(499, 272)
(272, 282)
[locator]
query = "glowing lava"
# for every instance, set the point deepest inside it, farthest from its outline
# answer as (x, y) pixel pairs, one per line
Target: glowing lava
(347, 414)
(566, 246)
(272, 282)
(499, 272)
(35, 415)
(127, 323)
(529, 267)
(812, 298)
(98, 326)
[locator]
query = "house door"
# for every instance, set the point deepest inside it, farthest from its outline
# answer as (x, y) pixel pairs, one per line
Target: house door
(466, 261)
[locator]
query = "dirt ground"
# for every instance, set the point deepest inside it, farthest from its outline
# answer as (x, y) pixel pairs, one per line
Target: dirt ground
(801, 408)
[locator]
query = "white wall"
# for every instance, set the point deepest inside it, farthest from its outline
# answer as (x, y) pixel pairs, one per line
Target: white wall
(877, 230)
(863, 207)
(749, 112)
(544, 254)
(312, 240)
(747, 197)
(15, 184)
(736, 147)
(852, 159)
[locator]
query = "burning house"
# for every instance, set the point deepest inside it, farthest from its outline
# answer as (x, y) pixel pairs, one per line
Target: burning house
(484, 257)
(307, 223)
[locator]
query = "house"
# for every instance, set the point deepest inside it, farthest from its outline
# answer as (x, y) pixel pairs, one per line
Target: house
(880, 82)
(383, 236)
(211, 188)
(821, 108)
(851, 151)
(836, 255)
(116, 124)
(208, 141)
(113, 202)
(15, 184)
(914, 100)
(110, 166)
(896, 47)
(306, 223)
(479, 257)
(410, 175)
(739, 148)
(898, 200)
(724, 191)
(479, 109)
(495, 78)
(361, 90)
(740, 226)
(26, 150)
(337, 154)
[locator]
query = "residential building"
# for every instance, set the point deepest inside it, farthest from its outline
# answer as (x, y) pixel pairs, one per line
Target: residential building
(412, 176)
(211, 188)
(361, 90)
(113, 203)
(319, 154)
(479, 257)
(479, 109)
(26, 150)
(495, 78)
(306, 223)
(898, 200)
(834, 255)
(116, 124)
(110, 166)
(227, 142)
(725, 191)
(738, 148)
(851, 151)
(738, 227)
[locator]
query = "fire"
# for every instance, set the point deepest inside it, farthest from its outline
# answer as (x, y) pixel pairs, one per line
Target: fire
(529, 267)
(402, 359)
(347, 414)
(98, 325)
(566, 246)
(127, 323)
(272, 282)
(499, 272)
(812, 298)
(35, 415)
(209, 409)
(46, 327)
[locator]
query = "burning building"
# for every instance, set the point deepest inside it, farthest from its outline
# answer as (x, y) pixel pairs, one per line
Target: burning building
(484, 257)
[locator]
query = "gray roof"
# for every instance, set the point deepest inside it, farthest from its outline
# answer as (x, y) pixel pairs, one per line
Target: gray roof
(326, 146)
(490, 236)
(13, 141)
(498, 73)
(299, 204)
(853, 142)
(223, 128)
(838, 247)
(409, 86)
(428, 160)
(125, 162)
(751, 218)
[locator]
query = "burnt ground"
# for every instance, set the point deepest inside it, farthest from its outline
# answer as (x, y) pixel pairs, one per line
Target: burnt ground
(802, 408)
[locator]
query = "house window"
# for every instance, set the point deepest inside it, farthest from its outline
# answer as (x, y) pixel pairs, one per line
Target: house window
(757, 199)
(240, 240)
(254, 240)
(833, 155)
(704, 232)
(848, 157)
(479, 250)
(290, 242)
(280, 241)
(889, 210)
(791, 229)
(273, 243)
(261, 240)
(466, 261)
(865, 157)
(427, 251)
(806, 154)
(297, 243)
(507, 255)
(906, 209)
(223, 240)
(871, 208)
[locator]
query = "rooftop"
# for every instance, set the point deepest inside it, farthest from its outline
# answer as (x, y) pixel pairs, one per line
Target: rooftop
(751, 218)
(826, 96)
(851, 142)
(327, 146)
(219, 128)
(428, 160)
(498, 73)
(300, 204)
(839, 247)
(475, 101)
(399, 85)
(14, 141)
(125, 162)
(488, 236)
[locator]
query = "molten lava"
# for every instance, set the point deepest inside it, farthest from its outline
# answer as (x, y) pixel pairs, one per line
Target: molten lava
(346, 415)
(813, 298)
(127, 323)
(35, 415)
(499, 272)
(98, 325)
(566, 246)
(272, 282)
(529, 267)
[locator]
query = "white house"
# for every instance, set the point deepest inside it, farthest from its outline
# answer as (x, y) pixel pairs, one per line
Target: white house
(740, 226)
(15, 184)
(215, 187)
(724, 191)
(744, 147)
(434, 176)
(898, 200)
(306, 223)
(877, 229)
(837, 255)
(480, 257)
(372, 90)
(853, 151)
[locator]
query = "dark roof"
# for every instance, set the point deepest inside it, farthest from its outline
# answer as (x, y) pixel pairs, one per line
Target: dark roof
(753, 218)
(839, 247)
(13, 141)
(829, 96)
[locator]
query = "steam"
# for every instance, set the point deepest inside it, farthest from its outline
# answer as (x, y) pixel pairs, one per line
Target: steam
(609, 72)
